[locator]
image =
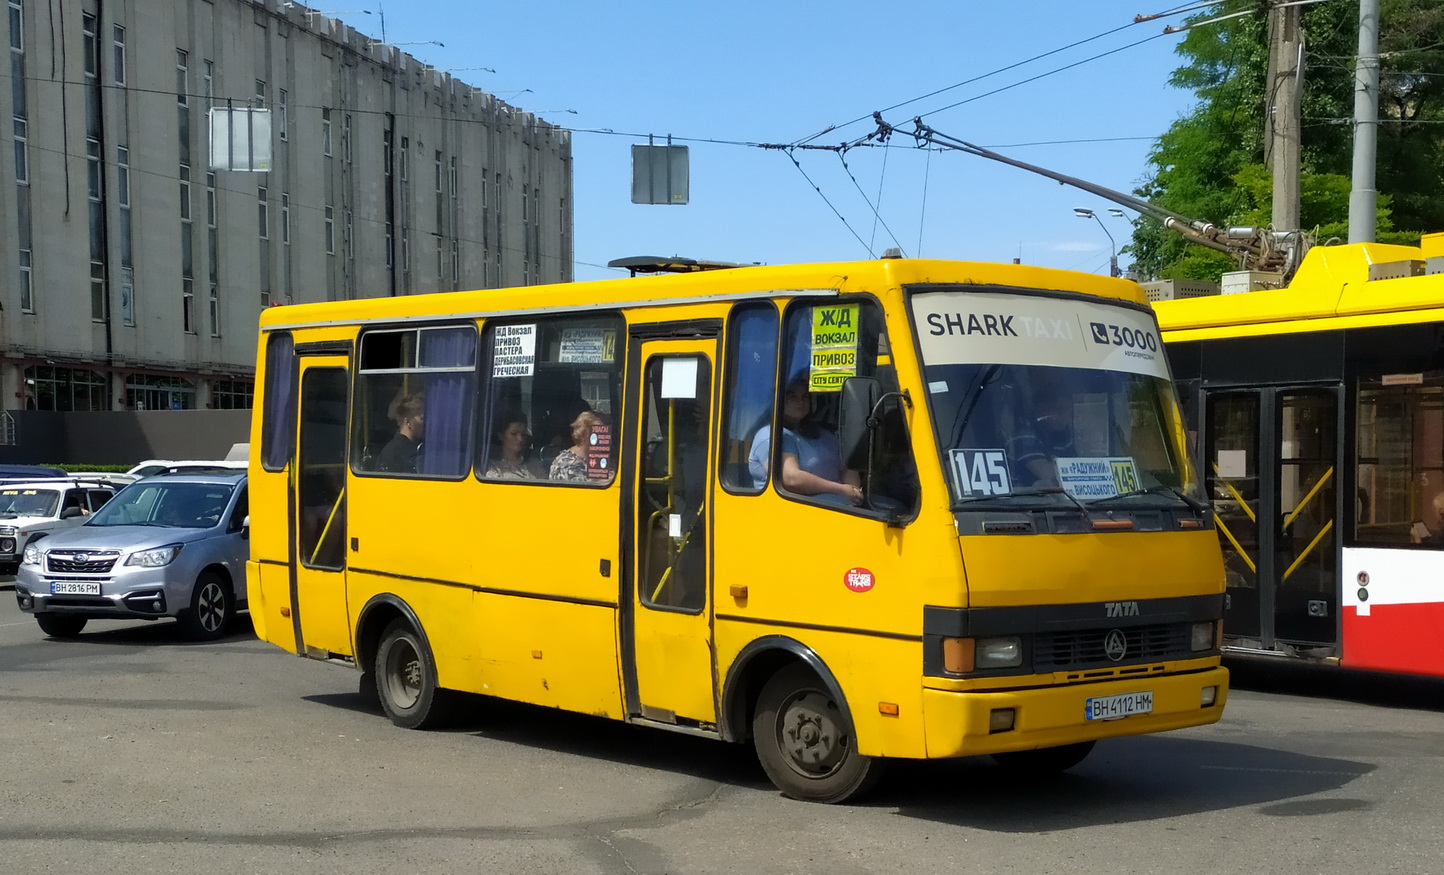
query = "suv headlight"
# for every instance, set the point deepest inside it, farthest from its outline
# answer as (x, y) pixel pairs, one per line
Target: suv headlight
(154, 558)
(32, 555)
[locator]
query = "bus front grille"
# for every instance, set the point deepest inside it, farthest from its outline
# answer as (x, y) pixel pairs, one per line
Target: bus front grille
(1061, 651)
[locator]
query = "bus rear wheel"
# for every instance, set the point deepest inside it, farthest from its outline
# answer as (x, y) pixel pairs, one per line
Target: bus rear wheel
(406, 679)
(805, 741)
(1044, 760)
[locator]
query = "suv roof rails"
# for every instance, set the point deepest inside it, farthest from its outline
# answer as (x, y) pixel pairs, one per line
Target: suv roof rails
(658, 264)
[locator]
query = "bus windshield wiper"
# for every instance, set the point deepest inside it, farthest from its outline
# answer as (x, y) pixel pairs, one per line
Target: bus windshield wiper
(1028, 492)
(1153, 490)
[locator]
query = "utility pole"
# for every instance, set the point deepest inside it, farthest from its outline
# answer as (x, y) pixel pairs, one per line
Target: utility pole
(1285, 79)
(1364, 199)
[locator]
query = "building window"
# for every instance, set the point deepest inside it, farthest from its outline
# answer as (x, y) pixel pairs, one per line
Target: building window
(286, 218)
(263, 212)
(260, 92)
(99, 306)
(233, 394)
(122, 176)
(209, 84)
(185, 193)
(48, 387)
(330, 234)
(22, 163)
(211, 199)
(281, 115)
(182, 77)
(17, 31)
(150, 392)
(346, 138)
(215, 310)
(27, 294)
(117, 61)
(326, 132)
(188, 294)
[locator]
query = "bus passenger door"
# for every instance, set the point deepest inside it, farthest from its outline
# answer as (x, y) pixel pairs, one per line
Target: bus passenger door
(666, 623)
(318, 525)
(1272, 463)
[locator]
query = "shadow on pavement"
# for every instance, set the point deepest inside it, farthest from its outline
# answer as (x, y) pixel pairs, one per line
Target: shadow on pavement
(1135, 779)
(1296, 678)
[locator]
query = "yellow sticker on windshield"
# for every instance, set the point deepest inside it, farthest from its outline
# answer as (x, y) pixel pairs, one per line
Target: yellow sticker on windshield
(834, 347)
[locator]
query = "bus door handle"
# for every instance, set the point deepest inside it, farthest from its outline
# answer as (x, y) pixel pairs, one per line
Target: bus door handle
(737, 591)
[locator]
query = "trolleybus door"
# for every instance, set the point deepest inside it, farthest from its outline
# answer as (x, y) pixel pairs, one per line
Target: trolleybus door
(1272, 463)
(667, 631)
(318, 524)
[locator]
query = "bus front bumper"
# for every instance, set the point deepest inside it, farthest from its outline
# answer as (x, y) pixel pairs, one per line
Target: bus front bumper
(961, 723)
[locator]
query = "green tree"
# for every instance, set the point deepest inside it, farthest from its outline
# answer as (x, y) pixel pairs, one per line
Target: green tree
(1209, 165)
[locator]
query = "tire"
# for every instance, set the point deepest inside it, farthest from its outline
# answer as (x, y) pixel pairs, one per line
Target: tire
(60, 626)
(1044, 760)
(406, 679)
(213, 608)
(806, 743)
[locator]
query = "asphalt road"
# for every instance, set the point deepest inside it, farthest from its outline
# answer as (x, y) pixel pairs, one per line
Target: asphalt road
(130, 750)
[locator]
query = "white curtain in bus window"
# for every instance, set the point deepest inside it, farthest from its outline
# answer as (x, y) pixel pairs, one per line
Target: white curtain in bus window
(415, 402)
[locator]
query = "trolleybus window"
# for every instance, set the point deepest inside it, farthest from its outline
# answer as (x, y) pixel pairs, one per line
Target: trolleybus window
(414, 398)
(1400, 495)
(555, 386)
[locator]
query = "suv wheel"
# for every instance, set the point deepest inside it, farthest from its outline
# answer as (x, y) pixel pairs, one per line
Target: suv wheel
(212, 608)
(58, 626)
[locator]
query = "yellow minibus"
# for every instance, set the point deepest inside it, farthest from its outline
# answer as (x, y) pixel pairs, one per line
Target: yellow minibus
(847, 512)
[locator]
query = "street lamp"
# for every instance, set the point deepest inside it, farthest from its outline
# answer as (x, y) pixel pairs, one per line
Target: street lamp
(1082, 213)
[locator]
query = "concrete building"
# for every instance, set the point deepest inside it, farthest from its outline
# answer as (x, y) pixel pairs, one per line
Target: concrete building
(133, 273)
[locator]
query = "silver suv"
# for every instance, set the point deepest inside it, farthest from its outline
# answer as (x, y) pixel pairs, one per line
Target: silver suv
(168, 546)
(30, 511)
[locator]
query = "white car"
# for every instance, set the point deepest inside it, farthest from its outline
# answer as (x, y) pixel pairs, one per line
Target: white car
(30, 511)
(151, 467)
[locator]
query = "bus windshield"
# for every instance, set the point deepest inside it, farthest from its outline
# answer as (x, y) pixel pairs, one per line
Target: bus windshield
(1057, 401)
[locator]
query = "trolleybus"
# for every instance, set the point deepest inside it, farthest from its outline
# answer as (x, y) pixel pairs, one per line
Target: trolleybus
(1319, 412)
(979, 531)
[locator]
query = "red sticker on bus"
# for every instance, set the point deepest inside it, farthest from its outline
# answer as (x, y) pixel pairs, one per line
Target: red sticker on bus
(858, 579)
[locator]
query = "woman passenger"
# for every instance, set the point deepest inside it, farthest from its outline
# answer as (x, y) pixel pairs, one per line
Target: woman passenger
(571, 463)
(811, 455)
(513, 439)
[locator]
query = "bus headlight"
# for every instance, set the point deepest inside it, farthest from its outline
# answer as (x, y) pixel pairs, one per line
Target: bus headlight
(1002, 652)
(1203, 636)
(964, 655)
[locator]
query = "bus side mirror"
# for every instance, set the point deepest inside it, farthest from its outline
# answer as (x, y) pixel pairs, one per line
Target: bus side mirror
(859, 398)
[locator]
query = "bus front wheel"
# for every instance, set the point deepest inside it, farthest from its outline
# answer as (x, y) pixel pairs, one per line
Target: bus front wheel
(1044, 760)
(406, 679)
(805, 741)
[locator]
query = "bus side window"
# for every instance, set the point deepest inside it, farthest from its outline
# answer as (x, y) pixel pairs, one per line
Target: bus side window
(414, 402)
(751, 382)
(825, 345)
(551, 398)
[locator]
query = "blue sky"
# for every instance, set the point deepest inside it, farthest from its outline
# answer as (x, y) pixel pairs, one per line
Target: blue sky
(714, 74)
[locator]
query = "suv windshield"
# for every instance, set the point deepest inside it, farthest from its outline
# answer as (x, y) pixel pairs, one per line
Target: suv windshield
(1051, 400)
(180, 505)
(28, 502)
